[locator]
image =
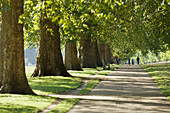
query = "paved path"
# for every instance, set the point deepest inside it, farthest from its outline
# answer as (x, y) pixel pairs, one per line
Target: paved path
(128, 90)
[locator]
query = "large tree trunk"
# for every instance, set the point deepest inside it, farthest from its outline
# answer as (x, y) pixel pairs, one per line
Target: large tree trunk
(49, 59)
(101, 48)
(71, 60)
(111, 58)
(107, 54)
(86, 52)
(97, 55)
(1, 59)
(14, 78)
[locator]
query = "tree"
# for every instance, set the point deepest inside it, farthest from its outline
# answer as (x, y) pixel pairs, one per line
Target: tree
(101, 47)
(49, 59)
(86, 50)
(14, 78)
(71, 60)
(97, 55)
(1, 58)
(107, 54)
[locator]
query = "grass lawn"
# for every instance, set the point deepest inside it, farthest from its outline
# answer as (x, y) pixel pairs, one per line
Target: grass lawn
(161, 75)
(10, 103)
(85, 73)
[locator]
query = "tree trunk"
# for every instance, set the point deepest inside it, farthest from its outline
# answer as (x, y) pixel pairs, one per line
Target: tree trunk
(71, 60)
(86, 51)
(107, 54)
(101, 48)
(14, 78)
(49, 59)
(1, 59)
(111, 58)
(97, 55)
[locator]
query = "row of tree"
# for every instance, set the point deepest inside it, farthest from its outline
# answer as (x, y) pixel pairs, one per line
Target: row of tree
(100, 26)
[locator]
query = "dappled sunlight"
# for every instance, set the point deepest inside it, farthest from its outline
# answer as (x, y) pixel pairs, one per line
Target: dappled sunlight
(94, 102)
(53, 84)
(129, 89)
(119, 98)
(23, 103)
(124, 72)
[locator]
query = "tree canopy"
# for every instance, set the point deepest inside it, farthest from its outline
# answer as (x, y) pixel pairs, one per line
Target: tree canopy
(127, 25)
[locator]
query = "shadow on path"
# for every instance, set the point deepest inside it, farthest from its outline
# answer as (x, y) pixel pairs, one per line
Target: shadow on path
(127, 90)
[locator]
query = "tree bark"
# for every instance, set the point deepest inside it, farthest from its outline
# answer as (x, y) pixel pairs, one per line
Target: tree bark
(1, 58)
(101, 47)
(14, 78)
(107, 54)
(111, 58)
(86, 52)
(97, 55)
(49, 59)
(71, 60)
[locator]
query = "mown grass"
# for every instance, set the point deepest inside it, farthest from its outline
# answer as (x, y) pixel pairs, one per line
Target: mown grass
(53, 84)
(161, 75)
(90, 85)
(64, 106)
(85, 73)
(12, 103)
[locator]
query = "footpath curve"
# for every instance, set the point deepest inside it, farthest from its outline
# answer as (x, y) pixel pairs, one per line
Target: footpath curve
(129, 89)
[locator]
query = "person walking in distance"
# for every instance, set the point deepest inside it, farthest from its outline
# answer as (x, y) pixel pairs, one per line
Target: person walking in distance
(137, 60)
(132, 61)
(129, 61)
(117, 60)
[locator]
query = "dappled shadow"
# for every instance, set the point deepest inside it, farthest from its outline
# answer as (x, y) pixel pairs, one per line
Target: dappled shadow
(162, 67)
(93, 106)
(52, 85)
(129, 89)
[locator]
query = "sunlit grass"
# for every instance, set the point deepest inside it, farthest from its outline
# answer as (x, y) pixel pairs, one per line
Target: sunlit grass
(87, 72)
(102, 74)
(53, 84)
(10, 103)
(64, 106)
(161, 75)
(90, 85)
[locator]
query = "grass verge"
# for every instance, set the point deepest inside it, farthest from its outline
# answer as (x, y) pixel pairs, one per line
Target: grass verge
(10, 103)
(53, 84)
(161, 75)
(64, 106)
(90, 85)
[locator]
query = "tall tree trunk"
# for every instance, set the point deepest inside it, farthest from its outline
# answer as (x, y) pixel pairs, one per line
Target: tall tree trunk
(86, 51)
(14, 78)
(111, 58)
(97, 55)
(71, 60)
(107, 54)
(1, 58)
(49, 59)
(101, 48)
